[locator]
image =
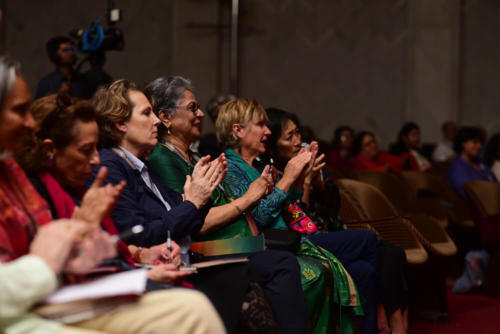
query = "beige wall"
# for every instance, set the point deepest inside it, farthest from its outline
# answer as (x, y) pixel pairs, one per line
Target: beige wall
(369, 64)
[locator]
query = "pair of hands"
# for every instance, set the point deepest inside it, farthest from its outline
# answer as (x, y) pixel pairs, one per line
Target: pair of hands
(99, 201)
(305, 166)
(162, 271)
(72, 246)
(207, 175)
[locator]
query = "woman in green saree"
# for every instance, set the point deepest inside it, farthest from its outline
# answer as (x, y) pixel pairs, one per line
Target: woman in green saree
(173, 160)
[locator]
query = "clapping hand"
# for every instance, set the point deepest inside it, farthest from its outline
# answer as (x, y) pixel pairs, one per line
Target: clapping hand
(205, 178)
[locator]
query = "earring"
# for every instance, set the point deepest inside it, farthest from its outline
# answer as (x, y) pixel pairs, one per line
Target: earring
(168, 131)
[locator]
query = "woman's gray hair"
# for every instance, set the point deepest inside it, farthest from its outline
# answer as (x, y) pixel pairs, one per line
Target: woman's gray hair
(167, 93)
(8, 71)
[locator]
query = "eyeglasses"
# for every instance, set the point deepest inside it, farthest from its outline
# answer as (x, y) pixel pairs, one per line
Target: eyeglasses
(193, 107)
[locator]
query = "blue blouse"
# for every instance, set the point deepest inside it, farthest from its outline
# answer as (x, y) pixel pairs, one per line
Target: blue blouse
(460, 172)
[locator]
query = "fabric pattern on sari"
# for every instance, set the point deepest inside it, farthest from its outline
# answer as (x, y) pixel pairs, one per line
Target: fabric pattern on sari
(324, 280)
(172, 169)
(22, 210)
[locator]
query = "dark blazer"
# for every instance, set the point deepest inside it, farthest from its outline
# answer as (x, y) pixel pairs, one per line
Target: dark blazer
(138, 204)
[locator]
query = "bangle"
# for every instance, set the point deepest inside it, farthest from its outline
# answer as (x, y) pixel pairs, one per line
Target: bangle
(137, 255)
(237, 208)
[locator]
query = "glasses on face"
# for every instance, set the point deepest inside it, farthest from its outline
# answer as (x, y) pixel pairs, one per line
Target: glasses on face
(193, 107)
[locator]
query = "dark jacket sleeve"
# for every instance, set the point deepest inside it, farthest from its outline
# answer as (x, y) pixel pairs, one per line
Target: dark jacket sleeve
(138, 205)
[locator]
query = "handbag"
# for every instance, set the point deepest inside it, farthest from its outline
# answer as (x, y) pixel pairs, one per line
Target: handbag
(278, 239)
(298, 220)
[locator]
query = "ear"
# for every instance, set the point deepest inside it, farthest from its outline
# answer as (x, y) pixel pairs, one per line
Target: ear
(121, 126)
(165, 119)
(49, 147)
(238, 130)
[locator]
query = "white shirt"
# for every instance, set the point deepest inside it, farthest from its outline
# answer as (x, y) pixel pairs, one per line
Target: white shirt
(443, 151)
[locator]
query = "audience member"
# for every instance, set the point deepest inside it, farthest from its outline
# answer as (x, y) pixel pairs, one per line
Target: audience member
(467, 166)
(409, 142)
(64, 79)
(492, 155)
(444, 150)
(36, 254)
(208, 144)
(241, 128)
(349, 246)
(339, 158)
(368, 157)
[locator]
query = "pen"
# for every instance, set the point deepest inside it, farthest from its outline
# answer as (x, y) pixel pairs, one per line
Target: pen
(128, 233)
(169, 247)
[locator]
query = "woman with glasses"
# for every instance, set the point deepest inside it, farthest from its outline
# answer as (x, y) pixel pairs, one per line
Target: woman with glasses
(368, 157)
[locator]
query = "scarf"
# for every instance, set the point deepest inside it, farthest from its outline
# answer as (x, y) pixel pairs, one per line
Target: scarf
(22, 210)
(65, 205)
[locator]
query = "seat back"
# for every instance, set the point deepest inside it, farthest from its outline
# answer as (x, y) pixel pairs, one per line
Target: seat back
(485, 196)
(372, 202)
(394, 187)
(429, 186)
(362, 201)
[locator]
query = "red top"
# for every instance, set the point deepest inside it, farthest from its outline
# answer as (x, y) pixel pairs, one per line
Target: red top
(385, 162)
(337, 160)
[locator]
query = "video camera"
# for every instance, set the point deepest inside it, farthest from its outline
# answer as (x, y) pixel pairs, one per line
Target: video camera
(96, 39)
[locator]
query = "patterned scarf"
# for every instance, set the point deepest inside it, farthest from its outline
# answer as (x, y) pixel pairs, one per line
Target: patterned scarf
(22, 210)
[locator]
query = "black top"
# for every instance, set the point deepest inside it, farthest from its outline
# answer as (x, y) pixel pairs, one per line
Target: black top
(50, 84)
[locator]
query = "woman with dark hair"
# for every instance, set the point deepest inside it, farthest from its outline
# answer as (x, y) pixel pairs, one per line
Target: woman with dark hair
(409, 143)
(467, 166)
(368, 157)
(339, 158)
(349, 246)
(492, 155)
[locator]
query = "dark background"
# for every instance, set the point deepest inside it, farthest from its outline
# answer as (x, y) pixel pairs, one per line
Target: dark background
(372, 64)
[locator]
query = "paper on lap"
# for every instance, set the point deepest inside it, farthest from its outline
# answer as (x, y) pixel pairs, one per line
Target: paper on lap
(132, 282)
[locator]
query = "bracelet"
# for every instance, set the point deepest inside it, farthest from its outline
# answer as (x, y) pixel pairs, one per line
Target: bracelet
(237, 208)
(137, 255)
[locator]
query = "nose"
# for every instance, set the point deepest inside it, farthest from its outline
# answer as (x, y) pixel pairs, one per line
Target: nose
(199, 113)
(94, 159)
(156, 120)
(267, 132)
(297, 139)
(29, 121)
